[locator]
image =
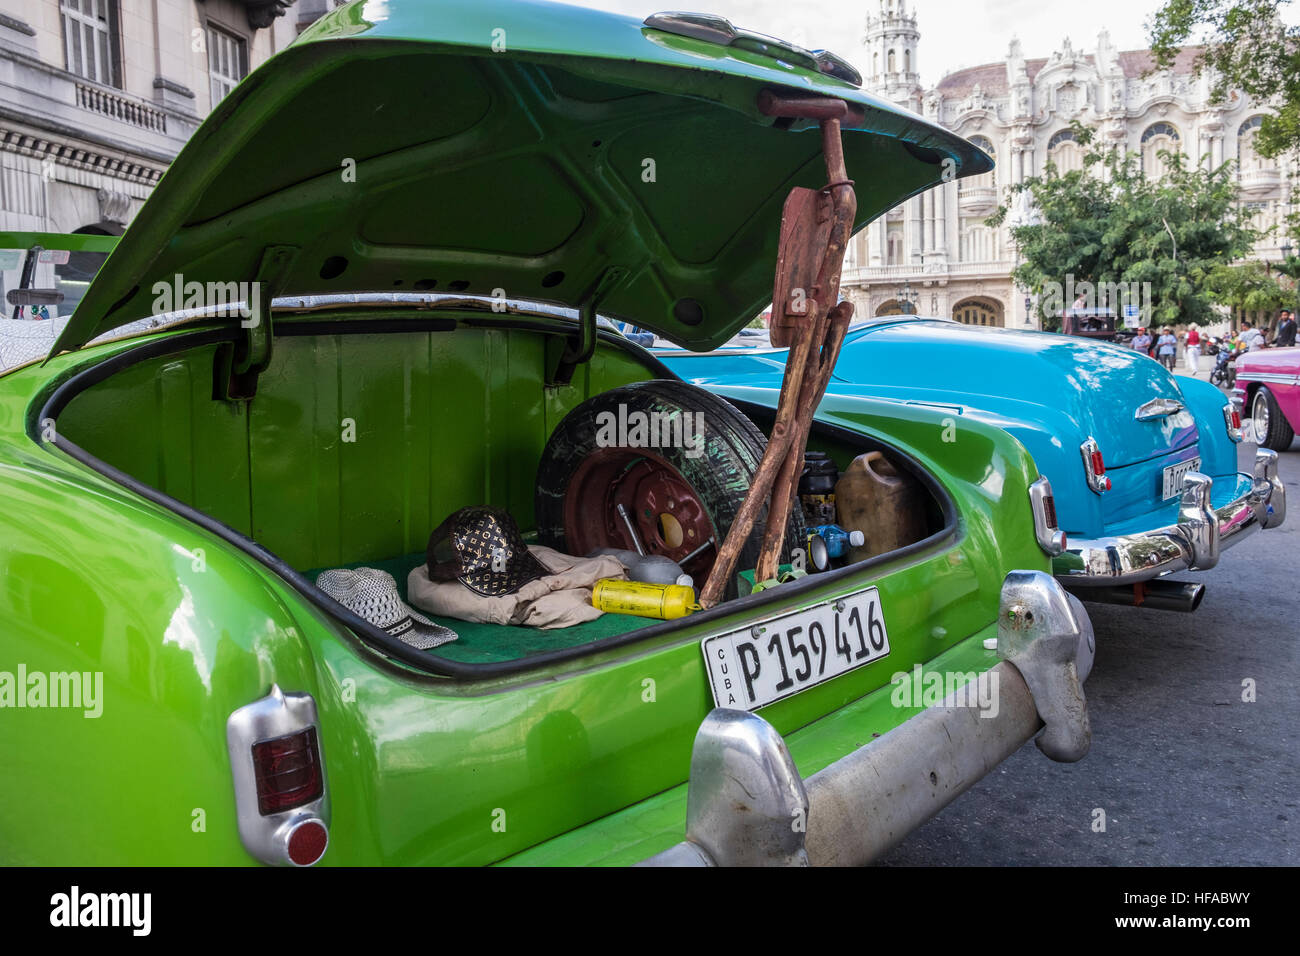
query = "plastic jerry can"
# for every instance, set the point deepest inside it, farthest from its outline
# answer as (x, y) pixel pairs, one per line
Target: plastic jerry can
(888, 507)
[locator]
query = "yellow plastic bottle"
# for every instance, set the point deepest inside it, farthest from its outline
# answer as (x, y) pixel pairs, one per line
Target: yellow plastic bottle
(663, 601)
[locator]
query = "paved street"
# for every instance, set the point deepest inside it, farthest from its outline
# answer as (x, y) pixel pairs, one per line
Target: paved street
(1186, 772)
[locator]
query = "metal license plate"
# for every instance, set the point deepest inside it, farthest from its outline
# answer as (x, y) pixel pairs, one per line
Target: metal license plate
(1174, 474)
(774, 659)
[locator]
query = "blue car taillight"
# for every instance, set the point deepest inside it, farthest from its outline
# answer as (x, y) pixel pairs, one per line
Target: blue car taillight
(1232, 418)
(1094, 466)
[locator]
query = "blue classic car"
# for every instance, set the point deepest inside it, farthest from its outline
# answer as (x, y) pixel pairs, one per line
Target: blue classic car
(1143, 465)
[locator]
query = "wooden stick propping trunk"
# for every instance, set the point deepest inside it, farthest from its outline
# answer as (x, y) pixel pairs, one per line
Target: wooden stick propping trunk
(778, 444)
(787, 479)
(815, 348)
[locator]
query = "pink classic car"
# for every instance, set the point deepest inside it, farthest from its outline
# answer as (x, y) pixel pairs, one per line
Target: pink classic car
(1268, 387)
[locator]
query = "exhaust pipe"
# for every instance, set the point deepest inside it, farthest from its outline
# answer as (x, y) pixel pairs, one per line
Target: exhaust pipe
(1158, 595)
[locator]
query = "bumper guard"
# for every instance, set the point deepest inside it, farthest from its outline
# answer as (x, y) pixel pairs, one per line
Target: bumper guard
(747, 805)
(1192, 544)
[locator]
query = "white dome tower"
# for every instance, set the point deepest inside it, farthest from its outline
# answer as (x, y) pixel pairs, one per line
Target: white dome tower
(891, 43)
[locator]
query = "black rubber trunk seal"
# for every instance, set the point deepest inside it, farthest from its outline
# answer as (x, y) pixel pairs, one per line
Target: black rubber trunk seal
(373, 637)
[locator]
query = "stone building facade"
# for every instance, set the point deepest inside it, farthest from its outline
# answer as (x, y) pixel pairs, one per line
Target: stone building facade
(98, 96)
(935, 248)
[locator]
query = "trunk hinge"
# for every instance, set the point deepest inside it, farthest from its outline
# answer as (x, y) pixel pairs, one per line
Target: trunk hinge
(238, 364)
(580, 348)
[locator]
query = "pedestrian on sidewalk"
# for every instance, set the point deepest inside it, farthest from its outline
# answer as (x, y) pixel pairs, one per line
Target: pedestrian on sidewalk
(1192, 350)
(1285, 330)
(1167, 348)
(1251, 337)
(1142, 341)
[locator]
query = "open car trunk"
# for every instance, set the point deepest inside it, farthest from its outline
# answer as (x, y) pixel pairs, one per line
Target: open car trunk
(365, 431)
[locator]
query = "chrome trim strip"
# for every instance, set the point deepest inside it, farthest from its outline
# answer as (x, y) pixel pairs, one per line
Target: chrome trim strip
(1268, 377)
(1193, 543)
(275, 715)
(1157, 408)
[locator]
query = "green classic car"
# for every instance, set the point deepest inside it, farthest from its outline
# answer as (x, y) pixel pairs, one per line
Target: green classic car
(376, 272)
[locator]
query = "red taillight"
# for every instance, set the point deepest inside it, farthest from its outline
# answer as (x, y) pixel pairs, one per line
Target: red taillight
(307, 842)
(1232, 421)
(288, 771)
(1094, 466)
(1049, 510)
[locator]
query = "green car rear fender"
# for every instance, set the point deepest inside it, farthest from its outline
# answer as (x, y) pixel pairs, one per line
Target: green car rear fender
(186, 628)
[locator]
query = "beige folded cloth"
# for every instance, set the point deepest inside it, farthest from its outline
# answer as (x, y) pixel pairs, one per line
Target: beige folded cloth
(560, 599)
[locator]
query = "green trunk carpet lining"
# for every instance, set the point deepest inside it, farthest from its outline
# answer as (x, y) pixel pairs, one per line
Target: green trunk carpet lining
(488, 643)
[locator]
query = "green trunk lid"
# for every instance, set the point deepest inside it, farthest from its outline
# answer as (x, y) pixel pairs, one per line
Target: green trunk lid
(522, 149)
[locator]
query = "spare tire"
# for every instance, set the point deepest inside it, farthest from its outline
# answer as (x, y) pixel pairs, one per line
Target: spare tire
(642, 446)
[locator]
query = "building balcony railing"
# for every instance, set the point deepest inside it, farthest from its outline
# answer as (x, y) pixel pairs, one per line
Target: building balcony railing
(120, 107)
(1255, 182)
(86, 120)
(977, 200)
(858, 275)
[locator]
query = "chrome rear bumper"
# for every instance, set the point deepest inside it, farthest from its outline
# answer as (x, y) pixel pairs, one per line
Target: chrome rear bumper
(747, 805)
(1192, 544)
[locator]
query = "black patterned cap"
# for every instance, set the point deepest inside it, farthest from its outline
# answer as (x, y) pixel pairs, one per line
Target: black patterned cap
(482, 548)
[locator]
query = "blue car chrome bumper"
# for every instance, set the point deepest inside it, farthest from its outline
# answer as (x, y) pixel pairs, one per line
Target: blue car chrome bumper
(1191, 543)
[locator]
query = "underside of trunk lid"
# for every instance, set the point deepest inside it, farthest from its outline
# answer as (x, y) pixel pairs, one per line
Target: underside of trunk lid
(586, 159)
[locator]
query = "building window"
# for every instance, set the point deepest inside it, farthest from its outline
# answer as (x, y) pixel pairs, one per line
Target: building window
(227, 62)
(978, 312)
(90, 39)
(1159, 136)
(1248, 160)
(891, 62)
(1064, 152)
(894, 247)
(984, 179)
(978, 242)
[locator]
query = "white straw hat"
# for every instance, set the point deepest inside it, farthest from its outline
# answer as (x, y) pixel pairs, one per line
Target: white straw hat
(372, 595)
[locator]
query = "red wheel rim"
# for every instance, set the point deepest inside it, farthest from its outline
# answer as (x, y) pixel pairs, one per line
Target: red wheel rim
(666, 511)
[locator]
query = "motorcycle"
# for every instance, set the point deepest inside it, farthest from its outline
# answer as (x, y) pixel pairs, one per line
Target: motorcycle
(1224, 372)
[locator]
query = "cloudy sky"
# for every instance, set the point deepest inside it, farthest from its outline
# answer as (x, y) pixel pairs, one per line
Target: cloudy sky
(954, 33)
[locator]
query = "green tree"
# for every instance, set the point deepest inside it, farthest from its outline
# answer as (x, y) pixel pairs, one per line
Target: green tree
(1248, 47)
(1110, 225)
(1249, 286)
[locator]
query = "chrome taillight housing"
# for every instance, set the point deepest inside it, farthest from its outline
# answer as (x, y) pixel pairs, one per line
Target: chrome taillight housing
(1094, 466)
(1232, 419)
(1050, 538)
(281, 794)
